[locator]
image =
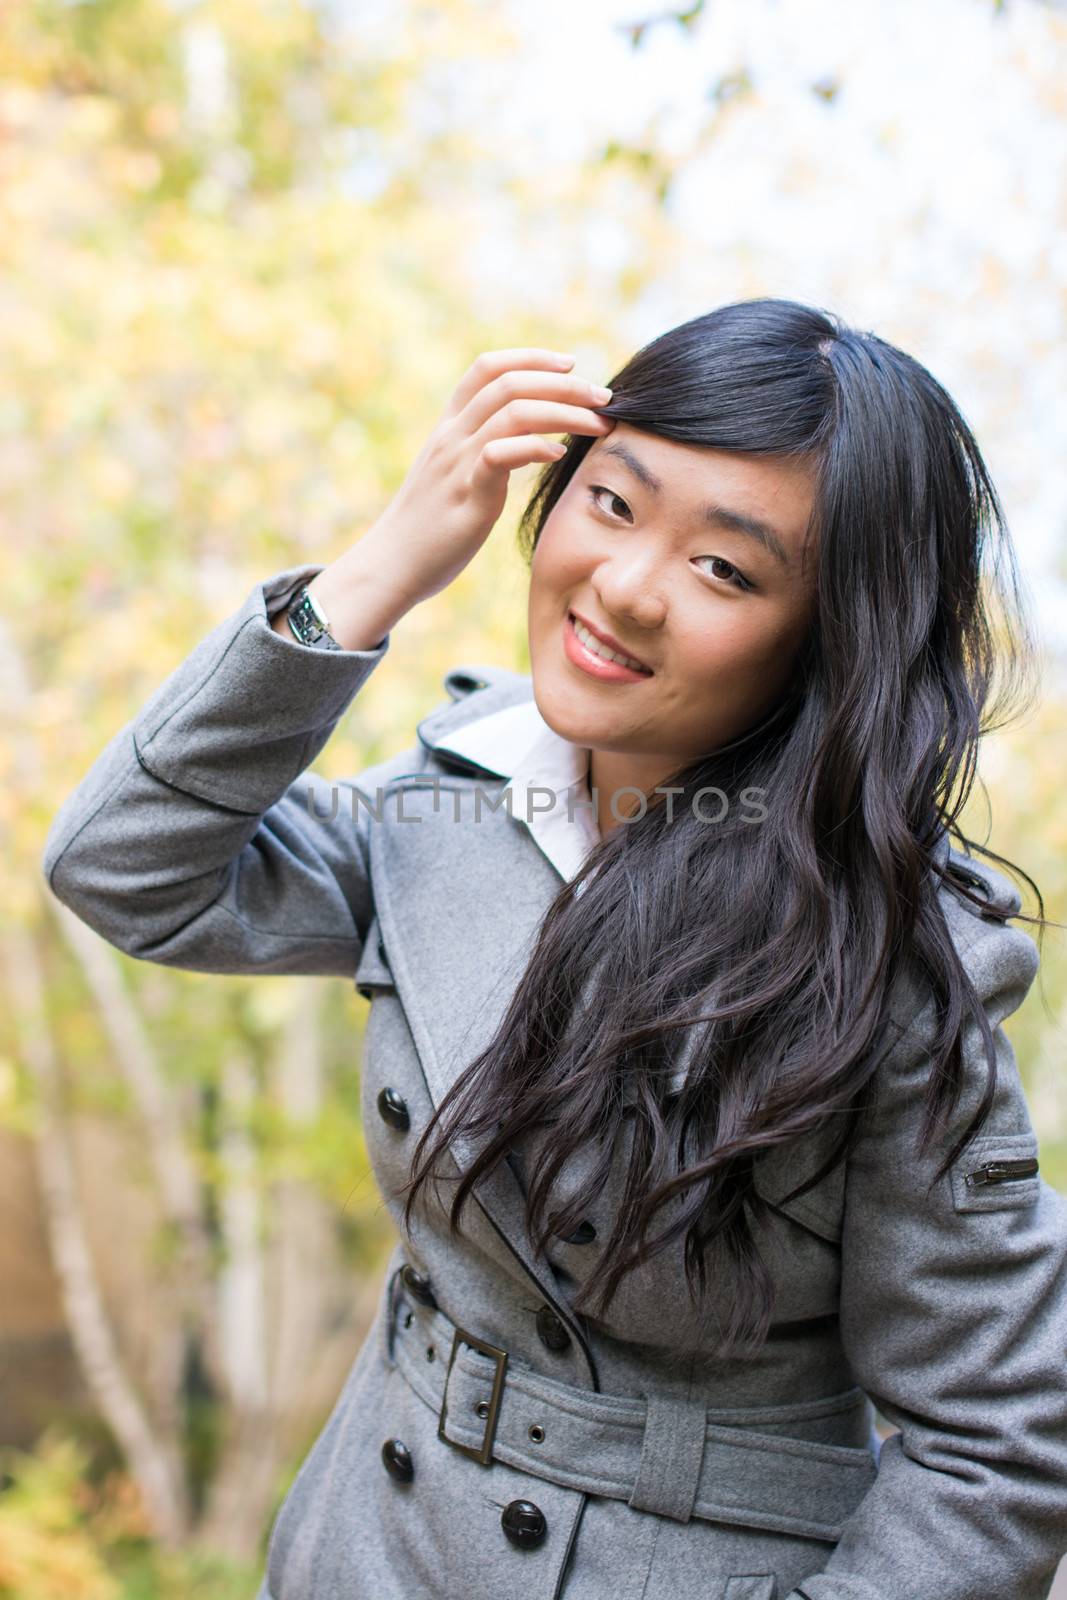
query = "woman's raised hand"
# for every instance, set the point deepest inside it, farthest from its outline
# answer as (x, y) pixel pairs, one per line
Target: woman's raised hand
(454, 493)
(446, 507)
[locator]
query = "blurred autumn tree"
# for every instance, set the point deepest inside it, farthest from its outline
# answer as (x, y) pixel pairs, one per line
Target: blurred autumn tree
(234, 301)
(240, 249)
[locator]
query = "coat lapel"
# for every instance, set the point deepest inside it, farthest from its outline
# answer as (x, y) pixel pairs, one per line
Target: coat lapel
(460, 899)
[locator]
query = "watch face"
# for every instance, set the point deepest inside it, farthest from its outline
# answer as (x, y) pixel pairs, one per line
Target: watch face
(303, 620)
(308, 626)
(316, 610)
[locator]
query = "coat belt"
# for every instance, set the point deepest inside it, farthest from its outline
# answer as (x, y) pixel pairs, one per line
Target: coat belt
(658, 1452)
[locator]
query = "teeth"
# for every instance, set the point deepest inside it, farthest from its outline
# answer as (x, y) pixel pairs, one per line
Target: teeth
(592, 643)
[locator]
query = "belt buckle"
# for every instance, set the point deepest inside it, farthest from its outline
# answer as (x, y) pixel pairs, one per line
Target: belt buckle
(484, 1451)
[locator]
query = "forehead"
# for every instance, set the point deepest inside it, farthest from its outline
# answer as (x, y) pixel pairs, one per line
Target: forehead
(779, 490)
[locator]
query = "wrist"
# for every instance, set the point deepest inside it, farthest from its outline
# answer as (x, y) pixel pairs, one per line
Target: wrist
(363, 596)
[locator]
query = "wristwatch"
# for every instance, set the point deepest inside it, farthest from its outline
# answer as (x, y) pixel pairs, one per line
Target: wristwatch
(309, 623)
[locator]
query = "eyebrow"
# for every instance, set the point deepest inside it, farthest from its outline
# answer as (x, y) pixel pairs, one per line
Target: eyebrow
(718, 516)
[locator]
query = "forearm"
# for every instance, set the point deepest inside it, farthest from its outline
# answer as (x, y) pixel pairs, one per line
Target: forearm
(361, 595)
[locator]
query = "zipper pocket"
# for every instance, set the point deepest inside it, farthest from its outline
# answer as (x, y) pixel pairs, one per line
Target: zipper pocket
(1001, 1172)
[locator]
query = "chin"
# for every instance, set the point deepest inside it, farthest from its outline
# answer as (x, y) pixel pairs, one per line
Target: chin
(559, 702)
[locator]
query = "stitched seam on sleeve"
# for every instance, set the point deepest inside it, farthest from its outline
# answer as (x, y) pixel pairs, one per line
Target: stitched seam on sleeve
(193, 794)
(131, 768)
(127, 772)
(202, 682)
(271, 933)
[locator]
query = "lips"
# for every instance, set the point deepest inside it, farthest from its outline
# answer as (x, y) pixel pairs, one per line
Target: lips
(609, 639)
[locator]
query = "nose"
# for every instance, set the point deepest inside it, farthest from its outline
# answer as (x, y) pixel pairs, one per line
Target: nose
(626, 586)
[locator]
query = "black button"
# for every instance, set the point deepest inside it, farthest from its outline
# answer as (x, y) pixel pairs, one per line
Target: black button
(552, 1330)
(398, 1462)
(584, 1233)
(393, 1109)
(417, 1285)
(524, 1523)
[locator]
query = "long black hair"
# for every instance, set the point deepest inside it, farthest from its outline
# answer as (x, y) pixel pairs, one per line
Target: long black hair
(768, 953)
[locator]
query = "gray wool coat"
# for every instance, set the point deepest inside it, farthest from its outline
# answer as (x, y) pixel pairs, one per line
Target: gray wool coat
(560, 1455)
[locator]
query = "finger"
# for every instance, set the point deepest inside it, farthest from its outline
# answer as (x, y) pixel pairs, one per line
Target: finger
(525, 385)
(491, 363)
(505, 454)
(541, 416)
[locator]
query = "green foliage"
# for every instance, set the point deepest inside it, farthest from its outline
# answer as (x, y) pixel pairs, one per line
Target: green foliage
(66, 1533)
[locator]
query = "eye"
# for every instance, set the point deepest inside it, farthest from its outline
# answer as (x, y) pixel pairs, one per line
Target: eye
(733, 577)
(599, 488)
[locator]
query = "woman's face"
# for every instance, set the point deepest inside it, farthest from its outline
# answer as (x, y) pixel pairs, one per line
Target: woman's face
(691, 560)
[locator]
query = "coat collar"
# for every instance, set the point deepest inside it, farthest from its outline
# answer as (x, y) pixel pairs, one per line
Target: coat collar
(475, 693)
(547, 775)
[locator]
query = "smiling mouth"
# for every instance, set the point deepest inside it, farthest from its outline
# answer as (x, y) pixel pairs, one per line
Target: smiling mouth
(603, 655)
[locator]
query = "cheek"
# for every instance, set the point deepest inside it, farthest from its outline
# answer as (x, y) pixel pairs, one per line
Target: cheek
(738, 652)
(557, 565)
(705, 644)
(777, 644)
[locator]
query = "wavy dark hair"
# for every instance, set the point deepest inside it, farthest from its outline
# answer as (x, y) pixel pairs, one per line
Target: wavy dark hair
(779, 943)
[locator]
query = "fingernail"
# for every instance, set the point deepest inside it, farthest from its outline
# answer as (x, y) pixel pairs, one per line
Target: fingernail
(604, 395)
(563, 359)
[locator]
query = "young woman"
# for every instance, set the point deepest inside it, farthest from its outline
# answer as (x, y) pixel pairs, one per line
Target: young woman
(684, 1075)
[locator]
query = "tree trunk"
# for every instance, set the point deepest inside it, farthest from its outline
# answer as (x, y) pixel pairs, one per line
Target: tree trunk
(155, 1463)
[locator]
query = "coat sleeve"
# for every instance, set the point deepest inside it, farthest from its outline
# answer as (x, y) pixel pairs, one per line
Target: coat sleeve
(191, 840)
(954, 1320)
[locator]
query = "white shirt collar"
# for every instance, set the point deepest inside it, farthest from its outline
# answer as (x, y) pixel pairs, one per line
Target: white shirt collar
(545, 770)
